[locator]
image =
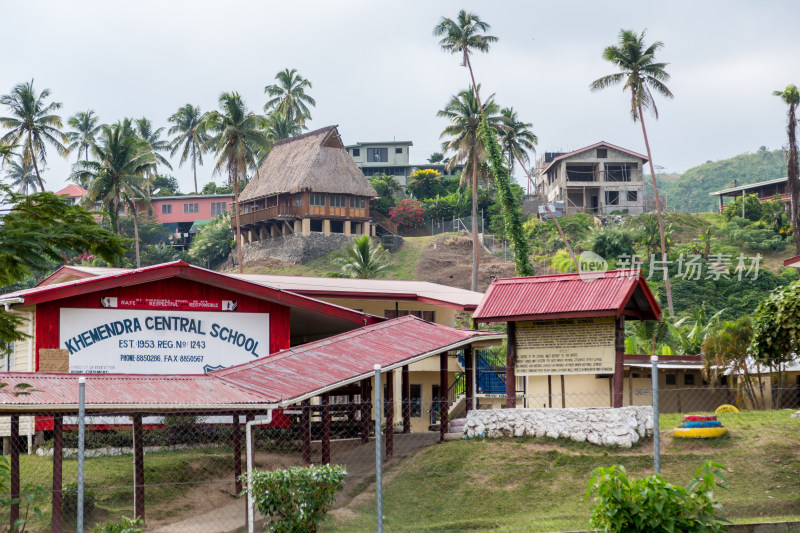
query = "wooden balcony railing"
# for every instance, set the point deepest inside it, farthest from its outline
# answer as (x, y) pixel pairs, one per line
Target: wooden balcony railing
(287, 211)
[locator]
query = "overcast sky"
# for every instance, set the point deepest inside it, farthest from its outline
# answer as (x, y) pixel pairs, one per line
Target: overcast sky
(379, 74)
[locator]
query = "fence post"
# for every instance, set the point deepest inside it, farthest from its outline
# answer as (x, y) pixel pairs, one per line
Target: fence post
(378, 448)
(81, 446)
(656, 436)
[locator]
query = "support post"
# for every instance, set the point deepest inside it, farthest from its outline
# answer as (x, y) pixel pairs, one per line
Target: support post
(511, 361)
(248, 449)
(656, 435)
(378, 450)
(389, 413)
(619, 359)
(406, 399)
(443, 407)
(305, 430)
(138, 468)
(469, 376)
(563, 394)
(81, 448)
(365, 411)
(14, 467)
(58, 461)
(326, 429)
(236, 443)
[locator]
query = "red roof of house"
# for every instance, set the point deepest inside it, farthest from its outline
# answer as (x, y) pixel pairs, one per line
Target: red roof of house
(595, 145)
(72, 191)
(611, 293)
(282, 378)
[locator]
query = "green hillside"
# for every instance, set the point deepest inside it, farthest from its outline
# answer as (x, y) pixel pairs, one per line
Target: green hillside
(689, 192)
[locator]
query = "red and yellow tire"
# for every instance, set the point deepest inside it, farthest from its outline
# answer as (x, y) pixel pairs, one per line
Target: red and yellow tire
(699, 418)
(699, 433)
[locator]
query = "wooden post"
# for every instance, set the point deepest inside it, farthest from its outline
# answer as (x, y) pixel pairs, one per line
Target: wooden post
(563, 394)
(58, 459)
(619, 359)
(443, 407)
(366, 415)
(13, 441)
(389, 401)
(406, 400)
(236, 443)
(249, 418)
(326, 429)
(511, 361)
(305, 430)
(138, 468)
(469, 376)
(549, 390)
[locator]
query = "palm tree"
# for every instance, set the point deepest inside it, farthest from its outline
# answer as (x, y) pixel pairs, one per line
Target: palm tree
(791, 97)
(640, 74)
(464, 35)
(117, 177)
(21, 175)
(364, 259)
(516, 138)
(33, 123)
(464, 113)
(189, 134)
(6, 151)
(289, 98)
(153, 139)
(85, 128)
(236, 136)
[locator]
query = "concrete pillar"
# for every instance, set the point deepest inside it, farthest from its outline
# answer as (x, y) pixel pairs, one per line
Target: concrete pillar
(444, 408)
(262, 232)
(357, 229)
(347, 227)
(326, 227)
(274, 230)
(298, 226)
(373, 230)
(511, 361)
(287, 228)
(469, 371)
(306, 225)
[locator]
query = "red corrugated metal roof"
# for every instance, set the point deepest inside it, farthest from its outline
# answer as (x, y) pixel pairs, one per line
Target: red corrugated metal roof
(309, 368)
(287, 376)
(72, 191)
(615, 292)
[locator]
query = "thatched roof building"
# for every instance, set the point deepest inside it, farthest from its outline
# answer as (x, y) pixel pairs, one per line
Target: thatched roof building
(315, 161)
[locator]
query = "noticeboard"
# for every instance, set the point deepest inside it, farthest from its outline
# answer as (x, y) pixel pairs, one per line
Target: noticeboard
(565, 346)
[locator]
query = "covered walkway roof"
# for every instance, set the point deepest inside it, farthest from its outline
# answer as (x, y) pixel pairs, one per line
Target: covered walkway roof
(274, 381)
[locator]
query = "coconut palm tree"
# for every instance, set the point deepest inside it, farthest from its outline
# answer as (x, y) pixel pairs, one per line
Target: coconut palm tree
(640, 74)
(516, 138)
(463, 111)
(189, 137)
(6, 151)
(118, 175)
(21, 175)
(791, 97)
(462, 36)
(236, 136)
(153, 139)
(85, 127)
(289, 98)
(33, 124)
(364, 259)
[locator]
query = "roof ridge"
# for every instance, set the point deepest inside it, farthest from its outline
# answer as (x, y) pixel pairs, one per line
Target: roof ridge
(304, 135)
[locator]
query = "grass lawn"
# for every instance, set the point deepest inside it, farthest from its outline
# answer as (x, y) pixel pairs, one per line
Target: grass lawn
(538, 485)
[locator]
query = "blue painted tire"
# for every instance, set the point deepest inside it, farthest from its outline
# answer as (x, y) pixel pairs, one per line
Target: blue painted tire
(702, 424)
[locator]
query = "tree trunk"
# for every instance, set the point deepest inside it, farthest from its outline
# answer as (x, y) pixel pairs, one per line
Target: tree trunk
(476, 252)
(236, 214)
(792, 172)
(33, 158)
(664, 263)
(194, 167)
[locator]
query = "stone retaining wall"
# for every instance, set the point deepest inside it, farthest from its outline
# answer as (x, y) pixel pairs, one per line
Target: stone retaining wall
(606, 427)
(295, 248)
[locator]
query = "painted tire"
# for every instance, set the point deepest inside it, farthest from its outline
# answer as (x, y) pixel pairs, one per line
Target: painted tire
(699, 433)
(726, 408)
(702, 424)
(699, 418)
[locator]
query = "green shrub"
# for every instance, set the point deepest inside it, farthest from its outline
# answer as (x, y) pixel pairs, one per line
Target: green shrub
(69, 495)
(125, 525)
(611, 243)
(298, 497)
(653, 505)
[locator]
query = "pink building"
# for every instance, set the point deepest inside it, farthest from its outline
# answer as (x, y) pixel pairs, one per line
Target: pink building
(190, 208)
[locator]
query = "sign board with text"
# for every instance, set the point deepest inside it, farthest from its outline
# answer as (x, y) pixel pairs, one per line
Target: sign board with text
(565, 346)
(135, 341)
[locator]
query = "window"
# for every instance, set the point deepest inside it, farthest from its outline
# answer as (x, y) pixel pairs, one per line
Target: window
(217, 208)
(398, 150)
(671, 379)
(688, 379)
(377, 155)
(317, 199)
(580, 173)
(424, 315)
(298, 200)
(357, 203)
(619, 172)
(612, 197)
(356, 152)
(166, 209)
(415, 401)
(338, 201)
(633, 196)
(191, 208)
(602, 153)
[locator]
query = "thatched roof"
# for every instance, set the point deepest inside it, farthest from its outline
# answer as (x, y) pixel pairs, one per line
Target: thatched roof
(315, 161)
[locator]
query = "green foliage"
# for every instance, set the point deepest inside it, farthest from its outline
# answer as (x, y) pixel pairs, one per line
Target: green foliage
(296, 498)
(562, 262)
(611, 243)
(776, 326)
(752, 236)
(752, 208)
(454, 205)
(365, 259)
(124, 525)
(156, 254)
(388, 189)
(69, 495)
(544, 237)
(213, 242)
(166, 185)
(690, 332)
(425, 184)
(28, 495)
(408, 213)
(648, 235)
(653, 505)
